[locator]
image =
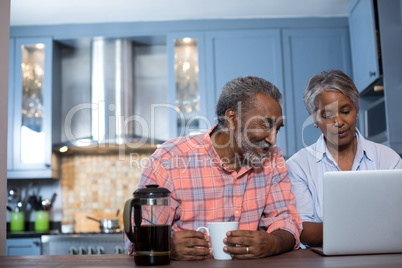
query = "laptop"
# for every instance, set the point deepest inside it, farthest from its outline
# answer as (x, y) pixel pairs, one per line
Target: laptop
(362, 212)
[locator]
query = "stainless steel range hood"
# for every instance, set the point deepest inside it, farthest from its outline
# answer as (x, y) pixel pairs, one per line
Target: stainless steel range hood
(98, 98)
(111, 91)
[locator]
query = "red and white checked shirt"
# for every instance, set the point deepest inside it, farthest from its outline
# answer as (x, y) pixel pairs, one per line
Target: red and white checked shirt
(204, 190)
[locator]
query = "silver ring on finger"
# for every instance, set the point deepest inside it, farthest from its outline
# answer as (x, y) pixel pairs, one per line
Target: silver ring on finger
(247, 250)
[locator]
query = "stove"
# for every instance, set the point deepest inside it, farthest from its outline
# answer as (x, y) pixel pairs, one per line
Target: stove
(83, 244)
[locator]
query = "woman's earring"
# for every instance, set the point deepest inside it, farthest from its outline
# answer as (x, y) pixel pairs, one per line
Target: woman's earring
(357, 116)
(315, 125)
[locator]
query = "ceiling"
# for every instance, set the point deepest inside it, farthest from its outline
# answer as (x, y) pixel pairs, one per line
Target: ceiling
(45, 12)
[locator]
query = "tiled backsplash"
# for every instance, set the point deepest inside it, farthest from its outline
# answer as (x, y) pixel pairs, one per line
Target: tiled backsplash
(98, 185)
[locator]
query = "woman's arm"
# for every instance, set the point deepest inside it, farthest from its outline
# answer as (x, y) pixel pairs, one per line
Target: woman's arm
(311, 234)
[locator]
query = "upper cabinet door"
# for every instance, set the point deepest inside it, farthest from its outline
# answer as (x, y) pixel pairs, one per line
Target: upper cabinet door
(187, 92)
(308, 52)
(32, 102)
(363, 38)
(232, 54)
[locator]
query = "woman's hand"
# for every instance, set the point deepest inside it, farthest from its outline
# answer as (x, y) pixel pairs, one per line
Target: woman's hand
(189, 245)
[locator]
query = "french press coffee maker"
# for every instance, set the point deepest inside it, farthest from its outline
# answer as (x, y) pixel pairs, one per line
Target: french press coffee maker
(151, 231)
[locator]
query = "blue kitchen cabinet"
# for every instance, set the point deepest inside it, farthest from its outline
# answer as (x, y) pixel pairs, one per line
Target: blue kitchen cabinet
(364, 43)
(31, 109)
(380, 99)
(23, 246)
(231, 54)
(390, 32)
(308, 52)
(186, 79)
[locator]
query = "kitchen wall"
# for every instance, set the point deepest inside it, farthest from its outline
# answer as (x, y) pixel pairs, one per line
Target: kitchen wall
(4, 42)
(98, 186)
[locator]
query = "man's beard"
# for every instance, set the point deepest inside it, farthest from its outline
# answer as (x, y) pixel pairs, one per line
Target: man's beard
(251, 157)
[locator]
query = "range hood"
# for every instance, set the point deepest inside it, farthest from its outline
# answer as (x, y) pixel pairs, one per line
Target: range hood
(98, 101)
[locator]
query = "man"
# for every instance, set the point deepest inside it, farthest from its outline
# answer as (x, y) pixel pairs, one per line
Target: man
(231, 173)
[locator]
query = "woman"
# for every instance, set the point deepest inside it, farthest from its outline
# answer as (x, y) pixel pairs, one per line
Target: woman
(332, 100)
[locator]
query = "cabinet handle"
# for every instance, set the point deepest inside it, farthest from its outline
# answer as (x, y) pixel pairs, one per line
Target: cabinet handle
(36, 243)
(372, 74)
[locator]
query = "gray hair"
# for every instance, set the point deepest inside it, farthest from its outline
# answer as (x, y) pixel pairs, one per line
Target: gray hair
(332, 81)
(241, 92)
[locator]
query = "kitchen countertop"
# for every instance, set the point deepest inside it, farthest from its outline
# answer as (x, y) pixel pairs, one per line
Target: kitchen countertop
(30, 230)
(31, 234)
(298, 258)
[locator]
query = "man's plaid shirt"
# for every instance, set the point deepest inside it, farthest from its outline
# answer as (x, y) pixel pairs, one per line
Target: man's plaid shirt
(204, 190)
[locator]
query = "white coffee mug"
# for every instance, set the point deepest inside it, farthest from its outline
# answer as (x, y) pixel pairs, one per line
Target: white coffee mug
(217, 232)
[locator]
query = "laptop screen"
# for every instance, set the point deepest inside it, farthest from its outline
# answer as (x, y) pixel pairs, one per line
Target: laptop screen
(362, 213)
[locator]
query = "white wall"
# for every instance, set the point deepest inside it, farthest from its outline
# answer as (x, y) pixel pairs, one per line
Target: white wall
(4, 43)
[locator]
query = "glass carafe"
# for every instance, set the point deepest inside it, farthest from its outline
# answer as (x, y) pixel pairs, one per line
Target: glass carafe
(147, 224)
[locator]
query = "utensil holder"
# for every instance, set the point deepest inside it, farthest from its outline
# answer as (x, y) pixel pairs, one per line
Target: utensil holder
(17, 222)
(41, 221)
